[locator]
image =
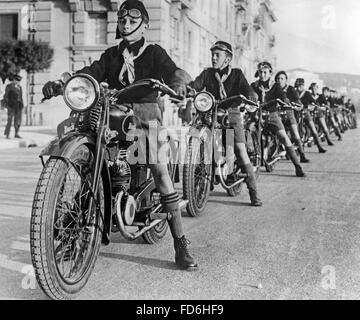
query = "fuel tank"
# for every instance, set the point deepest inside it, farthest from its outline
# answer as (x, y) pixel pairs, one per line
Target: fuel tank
(121, 121)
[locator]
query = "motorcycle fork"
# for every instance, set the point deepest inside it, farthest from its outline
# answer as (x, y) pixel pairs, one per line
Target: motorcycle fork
(100, 149)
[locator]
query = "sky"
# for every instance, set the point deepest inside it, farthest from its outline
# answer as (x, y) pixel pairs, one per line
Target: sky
(318, 35)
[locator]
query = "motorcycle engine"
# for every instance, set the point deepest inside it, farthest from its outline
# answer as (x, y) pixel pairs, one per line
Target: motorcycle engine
(120, 176)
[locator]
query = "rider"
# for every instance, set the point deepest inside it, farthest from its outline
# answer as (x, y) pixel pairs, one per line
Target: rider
(334, 108)
(321, 100)
(290, 121)
(268, 92)
(307, 99)
(134, 59)
(351, 107)
(223, 81)
(325, 99)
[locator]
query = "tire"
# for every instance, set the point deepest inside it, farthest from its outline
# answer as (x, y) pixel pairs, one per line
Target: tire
(51, 217)
(156, 234)
(273, 148)
(196, 192)
(254, 153)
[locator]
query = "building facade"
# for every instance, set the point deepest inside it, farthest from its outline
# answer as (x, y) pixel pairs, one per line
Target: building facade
(80, 30)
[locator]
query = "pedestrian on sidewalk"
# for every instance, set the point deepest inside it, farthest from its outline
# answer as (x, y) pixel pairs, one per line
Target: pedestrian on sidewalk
(14, 104)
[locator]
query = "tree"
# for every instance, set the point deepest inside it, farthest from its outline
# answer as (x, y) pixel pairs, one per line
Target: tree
(29, 55)
(8, 63)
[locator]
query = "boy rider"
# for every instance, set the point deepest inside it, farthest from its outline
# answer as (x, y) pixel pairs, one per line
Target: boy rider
(321, 100)
(307, 99)
(133, 59)
(290, 120)
(268, 91)
(223, 81)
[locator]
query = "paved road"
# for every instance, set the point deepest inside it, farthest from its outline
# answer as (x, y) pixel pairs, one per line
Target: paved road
(304, 243)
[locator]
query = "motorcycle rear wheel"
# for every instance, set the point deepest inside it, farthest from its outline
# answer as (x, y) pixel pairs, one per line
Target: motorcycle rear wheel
(196, 177)
(254, 153)
(156, 234)
(63, 235)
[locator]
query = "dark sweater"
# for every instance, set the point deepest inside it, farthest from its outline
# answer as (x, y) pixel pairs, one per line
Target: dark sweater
(292, 95)
(235, 84)
(154, 63)
(307, 99)
(272, 92)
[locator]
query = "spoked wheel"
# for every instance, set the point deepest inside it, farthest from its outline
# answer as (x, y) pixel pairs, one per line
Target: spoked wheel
(254, 152)
(156, 234)
(65, 233)
(197, 176)
(271, 148)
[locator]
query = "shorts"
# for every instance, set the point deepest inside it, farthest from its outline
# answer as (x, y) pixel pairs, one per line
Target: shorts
(152, 141)
(237, 124)
(307, 116)
(320, 114)
(274, 124)
(289, 118)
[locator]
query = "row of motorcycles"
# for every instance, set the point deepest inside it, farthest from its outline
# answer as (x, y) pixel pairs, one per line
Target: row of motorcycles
(89, 187)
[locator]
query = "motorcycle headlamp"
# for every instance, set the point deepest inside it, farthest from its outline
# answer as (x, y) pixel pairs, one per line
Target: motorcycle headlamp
(81, 92)
(203, 102)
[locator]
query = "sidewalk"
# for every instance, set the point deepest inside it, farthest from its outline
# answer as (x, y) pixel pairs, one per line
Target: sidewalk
(38, 137)
(31, 137)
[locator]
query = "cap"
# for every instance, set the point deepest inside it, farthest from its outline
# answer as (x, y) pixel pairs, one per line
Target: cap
(314, 84)
(299, 82)
(263, 65)
(129, 5)
(223, 46)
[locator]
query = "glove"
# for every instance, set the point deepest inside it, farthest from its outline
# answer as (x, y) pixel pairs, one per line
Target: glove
(52, 89)
(180, 90)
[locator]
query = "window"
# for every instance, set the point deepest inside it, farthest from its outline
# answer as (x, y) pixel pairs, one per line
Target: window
(96, 28)
(8, 26)
(189, 45)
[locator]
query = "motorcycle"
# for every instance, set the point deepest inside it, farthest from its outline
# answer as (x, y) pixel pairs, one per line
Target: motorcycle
(315, 115)
(210, 157)
(272, 150)
(90, 186)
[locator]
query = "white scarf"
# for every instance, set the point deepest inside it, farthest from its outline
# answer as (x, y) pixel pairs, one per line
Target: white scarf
(221, 80)
(129, 65)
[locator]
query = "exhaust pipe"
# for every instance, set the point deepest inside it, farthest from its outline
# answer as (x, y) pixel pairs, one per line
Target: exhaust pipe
(224, 185)
(158, 216)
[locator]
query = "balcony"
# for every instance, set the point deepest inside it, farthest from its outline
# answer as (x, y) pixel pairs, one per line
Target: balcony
(241, 5)
(268, 7)
(185, 4)
(272, 41)
(259, 21)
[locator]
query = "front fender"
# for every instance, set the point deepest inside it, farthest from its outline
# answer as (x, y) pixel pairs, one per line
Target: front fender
(63, 149)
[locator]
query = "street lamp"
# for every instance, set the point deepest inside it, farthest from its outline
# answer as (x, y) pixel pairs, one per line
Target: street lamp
(30, 75)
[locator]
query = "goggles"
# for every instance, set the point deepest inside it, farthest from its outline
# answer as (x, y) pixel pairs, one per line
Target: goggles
(133, 13)
(221, 47)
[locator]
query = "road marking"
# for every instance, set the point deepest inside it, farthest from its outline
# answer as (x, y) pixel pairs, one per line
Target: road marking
(22, 246)
(6, 263)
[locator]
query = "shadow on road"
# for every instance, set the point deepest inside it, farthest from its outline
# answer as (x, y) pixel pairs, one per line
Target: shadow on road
(231, 203)
(161, 264)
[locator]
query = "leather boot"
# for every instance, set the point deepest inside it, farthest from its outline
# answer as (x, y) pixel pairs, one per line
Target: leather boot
(337, 132)
(290, 151)
(251, 185)
(303, 158)
(328, 140)
(317, 142)
(183, 259)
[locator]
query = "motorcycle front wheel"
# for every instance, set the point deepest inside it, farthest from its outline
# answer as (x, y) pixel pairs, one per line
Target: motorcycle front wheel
(197, 176)
(65, 236)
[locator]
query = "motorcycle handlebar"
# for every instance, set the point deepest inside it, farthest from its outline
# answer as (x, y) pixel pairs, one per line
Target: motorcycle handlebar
(236, 99)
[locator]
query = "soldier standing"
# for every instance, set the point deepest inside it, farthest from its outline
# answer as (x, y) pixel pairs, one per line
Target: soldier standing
(14, 103)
